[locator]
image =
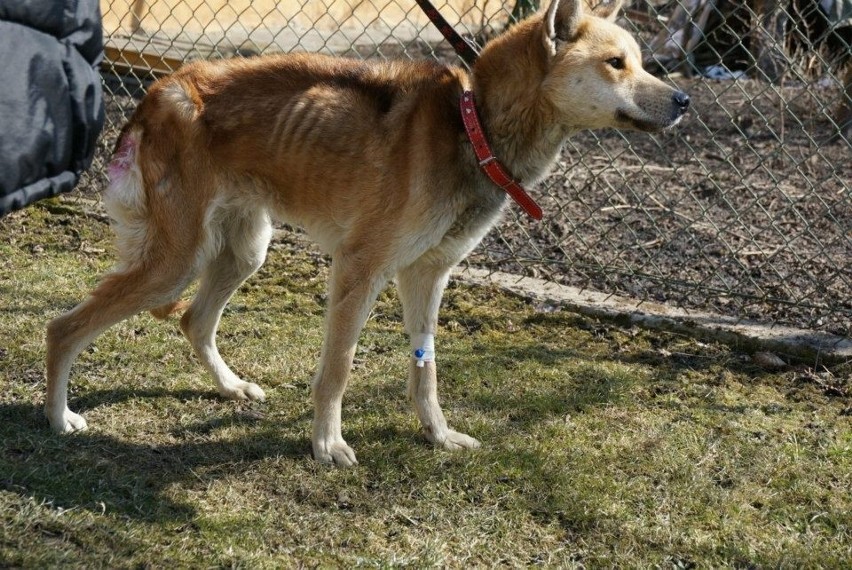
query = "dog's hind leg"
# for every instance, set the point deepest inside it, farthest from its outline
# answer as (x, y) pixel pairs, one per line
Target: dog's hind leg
(119, 296)
(245, 241)
(353, 288)
(420, 288)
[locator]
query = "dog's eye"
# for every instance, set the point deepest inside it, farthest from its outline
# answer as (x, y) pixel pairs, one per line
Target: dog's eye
(616, 62)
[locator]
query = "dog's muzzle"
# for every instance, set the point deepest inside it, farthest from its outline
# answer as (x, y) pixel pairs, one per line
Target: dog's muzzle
(659, 118)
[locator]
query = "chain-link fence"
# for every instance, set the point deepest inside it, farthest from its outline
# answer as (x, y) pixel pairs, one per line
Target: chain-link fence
(746, 209)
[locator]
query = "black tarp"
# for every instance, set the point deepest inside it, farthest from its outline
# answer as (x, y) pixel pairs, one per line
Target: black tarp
(51, 104)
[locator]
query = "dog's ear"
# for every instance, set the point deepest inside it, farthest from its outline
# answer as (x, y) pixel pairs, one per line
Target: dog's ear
(608, 10)
(562, 21)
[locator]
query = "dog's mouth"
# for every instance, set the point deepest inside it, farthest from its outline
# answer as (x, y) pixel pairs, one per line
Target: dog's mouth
(645, 125)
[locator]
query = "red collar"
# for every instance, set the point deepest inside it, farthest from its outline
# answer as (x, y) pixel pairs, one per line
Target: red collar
(488, 163)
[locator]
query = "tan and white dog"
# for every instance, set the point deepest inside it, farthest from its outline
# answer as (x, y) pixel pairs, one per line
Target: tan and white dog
(371, 159)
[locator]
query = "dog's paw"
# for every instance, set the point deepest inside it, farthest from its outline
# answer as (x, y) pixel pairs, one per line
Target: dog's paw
(457, 440)
(67, 422)
(335, 453)
(453, 440)
(243, 391)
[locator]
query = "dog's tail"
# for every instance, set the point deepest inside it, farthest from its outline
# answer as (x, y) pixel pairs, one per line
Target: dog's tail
(166, 311)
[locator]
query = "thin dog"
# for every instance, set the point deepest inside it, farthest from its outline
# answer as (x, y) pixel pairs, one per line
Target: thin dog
(372, 160)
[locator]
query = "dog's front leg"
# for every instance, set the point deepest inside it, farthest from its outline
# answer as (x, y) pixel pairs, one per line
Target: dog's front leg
(421, 287)
(351, 294)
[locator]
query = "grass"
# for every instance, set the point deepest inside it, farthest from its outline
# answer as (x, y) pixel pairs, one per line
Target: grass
(601, 446)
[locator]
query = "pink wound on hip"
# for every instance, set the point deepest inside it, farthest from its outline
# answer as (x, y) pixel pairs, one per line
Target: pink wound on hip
(122, 159)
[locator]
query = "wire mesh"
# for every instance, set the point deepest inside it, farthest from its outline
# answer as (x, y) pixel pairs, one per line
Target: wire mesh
(745, 209)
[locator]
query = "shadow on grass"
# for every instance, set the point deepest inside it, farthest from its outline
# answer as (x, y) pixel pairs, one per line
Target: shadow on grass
(130, 478)
(93, 399)
(567, 489)
(505, 392)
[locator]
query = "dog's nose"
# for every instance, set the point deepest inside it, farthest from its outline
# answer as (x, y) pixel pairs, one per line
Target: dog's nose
(681, 100)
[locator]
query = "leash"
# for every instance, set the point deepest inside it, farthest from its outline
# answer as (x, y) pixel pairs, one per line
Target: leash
(489, 164)
(463, 48)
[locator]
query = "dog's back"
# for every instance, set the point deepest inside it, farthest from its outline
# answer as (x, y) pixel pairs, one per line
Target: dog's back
(320, 141)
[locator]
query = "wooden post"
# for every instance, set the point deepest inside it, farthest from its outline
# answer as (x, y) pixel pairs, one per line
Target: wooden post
(137, 11)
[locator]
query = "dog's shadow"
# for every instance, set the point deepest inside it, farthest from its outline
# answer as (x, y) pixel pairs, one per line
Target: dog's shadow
(93, 470)
(133, 478)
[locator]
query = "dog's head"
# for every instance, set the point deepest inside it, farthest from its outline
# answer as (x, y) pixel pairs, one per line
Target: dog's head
(595, 77)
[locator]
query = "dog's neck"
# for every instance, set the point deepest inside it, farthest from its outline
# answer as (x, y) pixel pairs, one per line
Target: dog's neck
(518, 122)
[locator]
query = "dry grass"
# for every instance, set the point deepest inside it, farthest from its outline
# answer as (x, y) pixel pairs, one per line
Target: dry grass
(602, 446)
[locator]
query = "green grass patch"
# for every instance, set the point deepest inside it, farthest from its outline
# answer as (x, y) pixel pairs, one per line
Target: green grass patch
(601, 446)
